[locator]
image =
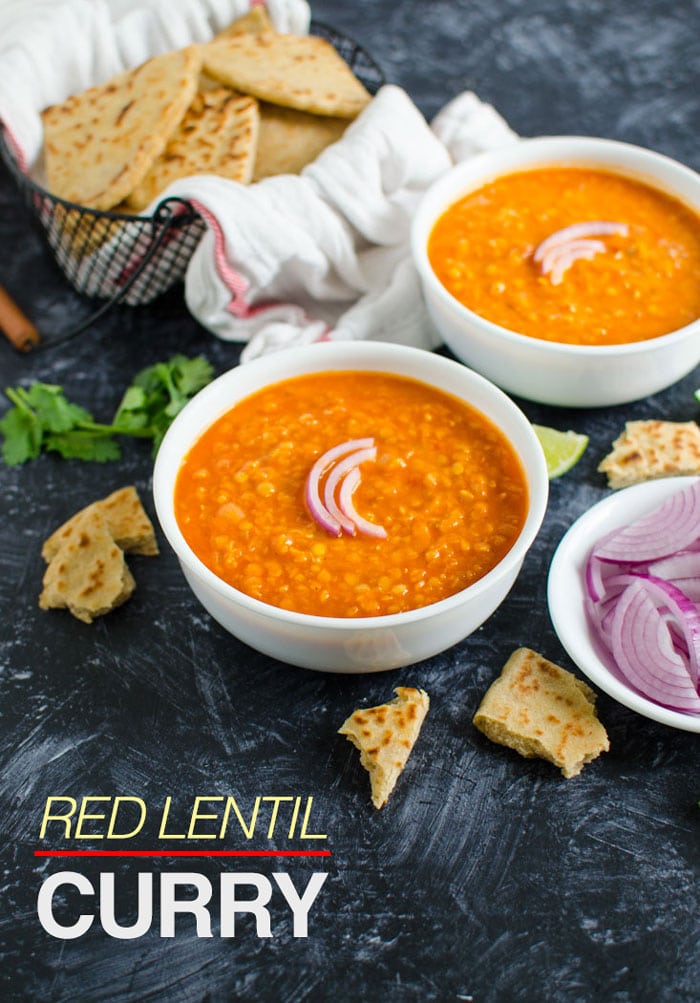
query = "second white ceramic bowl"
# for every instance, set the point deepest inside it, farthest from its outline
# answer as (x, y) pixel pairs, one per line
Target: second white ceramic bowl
(545, 371)
(364, 644)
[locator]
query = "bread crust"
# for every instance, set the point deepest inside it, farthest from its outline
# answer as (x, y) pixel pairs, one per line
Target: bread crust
(385, 736)
(541, 710)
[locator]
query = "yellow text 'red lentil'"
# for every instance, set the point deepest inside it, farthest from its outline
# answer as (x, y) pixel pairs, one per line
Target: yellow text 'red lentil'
(446, 486)
(646, 283)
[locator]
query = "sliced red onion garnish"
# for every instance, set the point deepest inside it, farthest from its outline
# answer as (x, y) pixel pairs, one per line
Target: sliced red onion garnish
(339, 471)
(602, 575)
(560, 258)
(674, 526)
(334, 516)
(643, 650)
(561, 249)
(690, 587)
(642, 594)
(683, 613)
(313, 483)
(347, 490)
(684, 564)
(576, 231)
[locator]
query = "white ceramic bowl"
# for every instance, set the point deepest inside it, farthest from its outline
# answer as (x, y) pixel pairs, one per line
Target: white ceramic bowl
(538, 370)
(334, 644)
(566, 591)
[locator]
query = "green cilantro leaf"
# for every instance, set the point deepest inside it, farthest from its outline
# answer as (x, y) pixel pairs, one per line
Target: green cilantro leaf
(192, 375)
(43, 419)
(54, 411)
(80, 445)
(21, 436)
(159, 392)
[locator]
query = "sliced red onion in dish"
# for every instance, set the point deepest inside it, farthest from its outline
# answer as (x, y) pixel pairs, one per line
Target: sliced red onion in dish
(682, 570)
(347, 490)
(690, 587)
(313, 483)
(684, 564)
(672, 527)
(341, 470)
(643, 650)
(682, 615)
(343, 460)
(596, 228)
(560, 258)
(642, 595)
(600, 575)
(558, 252)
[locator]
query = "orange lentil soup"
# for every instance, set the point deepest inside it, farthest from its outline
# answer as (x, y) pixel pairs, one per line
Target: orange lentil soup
(446, 486)
(638, 286)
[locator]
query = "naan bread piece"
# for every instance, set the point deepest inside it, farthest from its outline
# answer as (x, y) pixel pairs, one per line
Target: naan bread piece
(100, 144)
(254, 22)
(297, 72)
(541, 710)
(88, 574)
(291, 139)
(650, 449)
(385, 736)
(127, 521)
(218, 135)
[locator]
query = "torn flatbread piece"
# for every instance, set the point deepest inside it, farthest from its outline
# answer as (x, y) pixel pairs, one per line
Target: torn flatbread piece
(291, 139)
(385, 736)
(651, 449)
(127, 521)
(254, 22)
(218, 135)
(303, 72)
(87, 574)
(99, 144)
(540, 710)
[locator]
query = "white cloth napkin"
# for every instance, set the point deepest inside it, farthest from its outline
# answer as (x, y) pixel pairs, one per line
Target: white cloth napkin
(291, 259)
(326, 255)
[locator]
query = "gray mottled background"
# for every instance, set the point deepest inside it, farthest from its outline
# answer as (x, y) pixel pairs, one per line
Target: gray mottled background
(487, 877)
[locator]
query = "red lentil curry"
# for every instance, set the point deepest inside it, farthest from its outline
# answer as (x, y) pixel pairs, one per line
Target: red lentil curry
(640, 282)
(446, 486)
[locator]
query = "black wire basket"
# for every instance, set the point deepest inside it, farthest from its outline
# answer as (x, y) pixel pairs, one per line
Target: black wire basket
(115, 257)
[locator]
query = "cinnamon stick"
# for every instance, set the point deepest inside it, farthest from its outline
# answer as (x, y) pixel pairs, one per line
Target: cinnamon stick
(17, 328)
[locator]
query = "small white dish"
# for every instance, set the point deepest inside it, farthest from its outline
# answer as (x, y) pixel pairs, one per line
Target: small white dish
(566, 591)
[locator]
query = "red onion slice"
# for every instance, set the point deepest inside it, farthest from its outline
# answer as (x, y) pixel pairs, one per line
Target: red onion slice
(341, 516)
(690, 587)
(642, 599)
(673, 526)
(600, 575)
(312, 492)
(559, 259)
(345, 499)
(684, 615)
(339, 471)
(597, 228)
(643, 650)
(602, 609)
(684, 564)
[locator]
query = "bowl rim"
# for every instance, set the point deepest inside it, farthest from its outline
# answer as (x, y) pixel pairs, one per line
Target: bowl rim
(566, 589)
(486, 165)
(179, 439)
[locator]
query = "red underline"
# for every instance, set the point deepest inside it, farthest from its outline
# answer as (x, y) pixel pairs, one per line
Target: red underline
(182, 853)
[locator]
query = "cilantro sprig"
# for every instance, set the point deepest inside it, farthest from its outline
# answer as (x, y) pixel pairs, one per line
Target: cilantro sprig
(42, 419)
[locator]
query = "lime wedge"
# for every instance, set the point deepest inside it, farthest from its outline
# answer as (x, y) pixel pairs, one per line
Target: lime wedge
(562, 450)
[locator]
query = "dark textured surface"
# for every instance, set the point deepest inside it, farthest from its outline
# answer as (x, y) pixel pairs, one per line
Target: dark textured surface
(487, 877)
